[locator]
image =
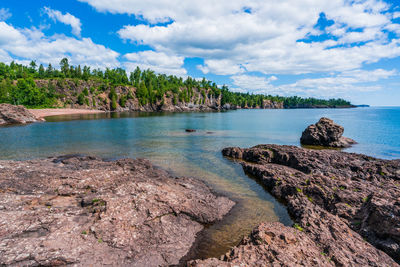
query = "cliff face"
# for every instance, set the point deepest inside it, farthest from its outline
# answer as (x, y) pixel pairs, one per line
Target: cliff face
(95, 95)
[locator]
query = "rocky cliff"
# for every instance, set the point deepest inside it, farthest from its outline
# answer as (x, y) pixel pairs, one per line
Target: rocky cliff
(96, 95)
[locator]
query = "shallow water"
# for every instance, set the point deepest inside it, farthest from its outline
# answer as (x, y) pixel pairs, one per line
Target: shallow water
(162, 139)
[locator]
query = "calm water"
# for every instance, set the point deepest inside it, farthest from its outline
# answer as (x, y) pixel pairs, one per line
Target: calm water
(162, 139)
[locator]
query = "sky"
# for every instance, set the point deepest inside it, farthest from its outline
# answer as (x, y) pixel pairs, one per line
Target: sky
(310, 48)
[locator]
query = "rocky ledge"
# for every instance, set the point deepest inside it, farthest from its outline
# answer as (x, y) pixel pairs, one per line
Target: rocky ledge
(325, 133)
(10, 114)
(85, 211)
(346, 209)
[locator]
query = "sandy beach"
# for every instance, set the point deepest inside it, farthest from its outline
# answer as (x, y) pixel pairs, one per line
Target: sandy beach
(42, 113)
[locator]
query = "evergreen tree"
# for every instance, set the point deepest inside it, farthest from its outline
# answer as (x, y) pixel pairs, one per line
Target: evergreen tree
(64, 66)
(41, 72)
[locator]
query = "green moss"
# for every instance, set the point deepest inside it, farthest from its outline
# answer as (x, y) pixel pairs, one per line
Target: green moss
(84, 233)
(299, 190)
(298, 227)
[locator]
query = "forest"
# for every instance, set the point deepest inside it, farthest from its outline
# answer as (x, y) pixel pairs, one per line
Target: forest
(18, 86)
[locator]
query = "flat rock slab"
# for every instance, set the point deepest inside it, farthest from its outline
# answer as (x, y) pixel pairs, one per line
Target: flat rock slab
(346, 206)
(88, 212)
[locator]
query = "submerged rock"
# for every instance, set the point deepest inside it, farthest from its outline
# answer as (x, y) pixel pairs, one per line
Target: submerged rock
(10, 114)
(325, 133)
(190, 130)
(346, 207)
(87, 212)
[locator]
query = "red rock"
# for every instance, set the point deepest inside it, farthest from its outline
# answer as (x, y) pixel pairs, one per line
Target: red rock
(87, 212)
(345, 205)
(325, 133)
(10, 114)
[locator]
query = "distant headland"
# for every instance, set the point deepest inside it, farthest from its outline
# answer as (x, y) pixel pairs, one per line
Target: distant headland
(142, 90)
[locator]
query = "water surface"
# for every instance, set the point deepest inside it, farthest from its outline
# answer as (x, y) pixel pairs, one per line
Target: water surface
(162, 139)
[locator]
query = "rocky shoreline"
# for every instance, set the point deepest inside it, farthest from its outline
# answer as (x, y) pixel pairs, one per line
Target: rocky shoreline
(79, 210)
(346, 207)
(85, 211)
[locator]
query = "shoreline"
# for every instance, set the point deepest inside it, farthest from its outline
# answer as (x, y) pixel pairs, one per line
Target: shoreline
(344, 208)
(48, 112)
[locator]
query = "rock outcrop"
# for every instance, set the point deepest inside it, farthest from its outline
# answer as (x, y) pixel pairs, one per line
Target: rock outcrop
(268, 104)
(85, 211)
(271, 244)
(346, 207)
(10, 114)
(325, 133)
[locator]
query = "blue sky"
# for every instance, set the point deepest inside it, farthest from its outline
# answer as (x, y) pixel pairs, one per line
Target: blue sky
(332, 48)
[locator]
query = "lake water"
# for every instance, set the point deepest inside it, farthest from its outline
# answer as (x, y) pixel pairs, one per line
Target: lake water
(162, 139)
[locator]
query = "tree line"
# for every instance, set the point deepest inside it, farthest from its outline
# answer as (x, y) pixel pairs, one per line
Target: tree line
(17, 86)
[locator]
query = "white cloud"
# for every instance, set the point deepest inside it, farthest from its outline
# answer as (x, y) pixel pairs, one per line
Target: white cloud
(5, 57)
(249, 83)
(266, 40)
(28, 44)
(331, 86)
(5, 14)
(67, 19)
(396, 15)
(157, 61)
(221, 67)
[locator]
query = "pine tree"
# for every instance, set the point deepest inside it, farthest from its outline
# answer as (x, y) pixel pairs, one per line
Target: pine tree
(41, 71)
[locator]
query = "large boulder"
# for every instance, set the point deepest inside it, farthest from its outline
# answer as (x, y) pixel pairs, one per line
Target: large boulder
(325, 133)
(10, 114)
